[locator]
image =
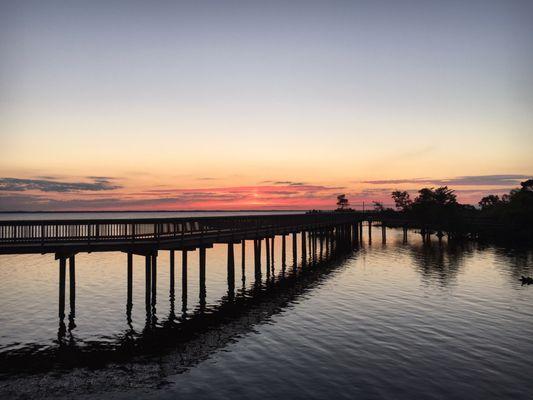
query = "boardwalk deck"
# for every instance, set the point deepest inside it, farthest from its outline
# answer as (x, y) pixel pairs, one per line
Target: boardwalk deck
(144, 235)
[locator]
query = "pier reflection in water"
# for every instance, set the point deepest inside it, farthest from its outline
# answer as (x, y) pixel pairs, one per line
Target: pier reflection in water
(323, 247)
(155, 278)
(410, 304)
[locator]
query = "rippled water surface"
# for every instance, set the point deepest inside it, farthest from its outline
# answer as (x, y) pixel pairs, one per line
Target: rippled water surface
(395, 321)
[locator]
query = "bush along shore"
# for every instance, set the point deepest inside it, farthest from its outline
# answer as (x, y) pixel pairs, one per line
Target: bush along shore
(507, 218)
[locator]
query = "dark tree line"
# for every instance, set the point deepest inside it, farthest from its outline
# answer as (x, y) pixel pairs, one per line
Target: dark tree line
(512, 213)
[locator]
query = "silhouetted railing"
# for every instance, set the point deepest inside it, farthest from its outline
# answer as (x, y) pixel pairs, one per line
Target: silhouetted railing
(160, 229)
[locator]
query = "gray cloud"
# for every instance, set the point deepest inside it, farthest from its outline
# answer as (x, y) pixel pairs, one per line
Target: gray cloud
(289, 183)
(285, 183)
(40, 202)
(481, 180)
(48, 185)
(47, 177)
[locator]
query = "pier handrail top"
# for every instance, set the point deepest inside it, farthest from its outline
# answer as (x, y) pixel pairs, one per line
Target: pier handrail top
(83, 221)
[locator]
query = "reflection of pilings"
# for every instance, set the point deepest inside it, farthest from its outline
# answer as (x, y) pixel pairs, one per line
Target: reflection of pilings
(304, 250)
(184, 282)
(360, 230)
(294, 250)
(405, 234)
(62, 276)
(202, 279)
(231, 272)
(369, 232)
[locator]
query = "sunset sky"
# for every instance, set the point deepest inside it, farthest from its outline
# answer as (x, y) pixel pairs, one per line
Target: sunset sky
(261, 105)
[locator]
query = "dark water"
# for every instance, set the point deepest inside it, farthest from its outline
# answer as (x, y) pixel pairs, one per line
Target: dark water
(393, 321)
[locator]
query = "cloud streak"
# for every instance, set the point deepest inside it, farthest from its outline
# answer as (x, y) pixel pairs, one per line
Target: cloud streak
(96, 184)
(469, 180)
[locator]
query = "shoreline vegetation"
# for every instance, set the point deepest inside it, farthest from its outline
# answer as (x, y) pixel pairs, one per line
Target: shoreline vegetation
(509, 217)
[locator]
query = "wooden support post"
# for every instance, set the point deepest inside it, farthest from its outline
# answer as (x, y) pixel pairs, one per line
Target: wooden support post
(203, 291)
(72, 287)
(369, 231)
(231, 271)
(294, 250)
(243, 254)
(257, 257)
(255, 252)
(283, 252)
(272, 253)
(130, 280)
(62, 277)
(172, 291)
(172, 272)
(154, 279)
(129, 301)
(304, 250)
(310, 243)
(243, 262)
(267, 250)
(383, 232)
(184, 282)
(148, 282)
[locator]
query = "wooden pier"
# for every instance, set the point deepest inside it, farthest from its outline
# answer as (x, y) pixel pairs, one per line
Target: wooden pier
(315, 236)
(144, 236)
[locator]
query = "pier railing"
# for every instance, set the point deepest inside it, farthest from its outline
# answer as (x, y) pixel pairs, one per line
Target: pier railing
(159, 229)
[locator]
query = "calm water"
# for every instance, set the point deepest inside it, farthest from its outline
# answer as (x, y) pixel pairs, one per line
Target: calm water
(393, 321)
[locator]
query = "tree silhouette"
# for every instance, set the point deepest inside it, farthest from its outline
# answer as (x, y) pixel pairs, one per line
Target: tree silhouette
(489, 201)
(342, 202)
(402, 200)
(527, 186)
(378, 206)
(441, 196)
